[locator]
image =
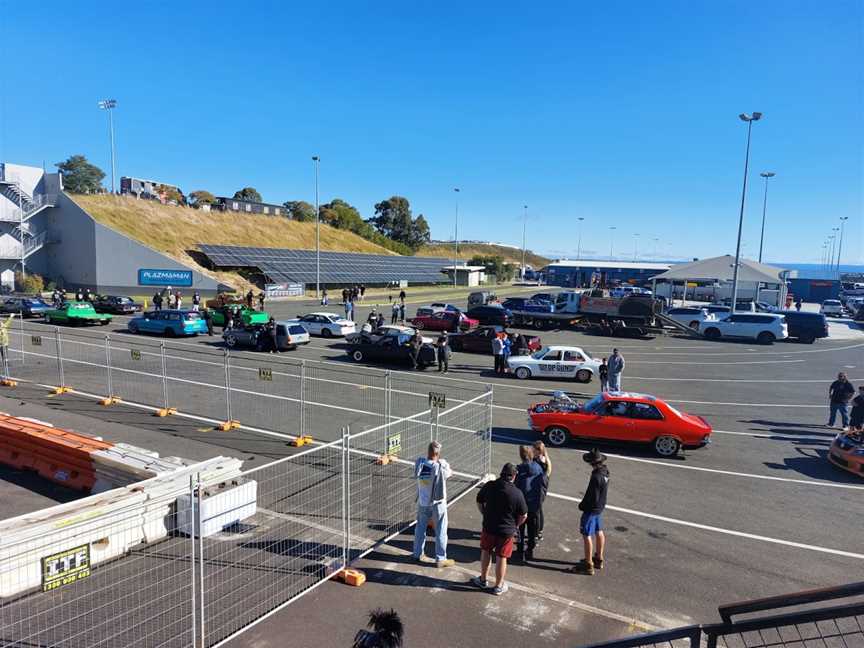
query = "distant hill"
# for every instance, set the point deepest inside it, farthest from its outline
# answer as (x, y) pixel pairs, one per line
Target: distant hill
(468, 250)
(176, 230)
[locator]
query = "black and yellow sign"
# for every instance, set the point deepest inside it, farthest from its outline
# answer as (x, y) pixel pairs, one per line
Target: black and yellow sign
(438, 399)
(36, 340)
(136, 354)
(65, 567)
(394, 444)
(265, 374)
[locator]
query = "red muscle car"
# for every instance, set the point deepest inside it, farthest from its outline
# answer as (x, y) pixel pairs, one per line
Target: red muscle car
(444, 321)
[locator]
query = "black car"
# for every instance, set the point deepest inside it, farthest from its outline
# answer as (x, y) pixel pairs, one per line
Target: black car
(391, 350)
(805, 327)
(26, 306)
(491, 315)
(116, 304)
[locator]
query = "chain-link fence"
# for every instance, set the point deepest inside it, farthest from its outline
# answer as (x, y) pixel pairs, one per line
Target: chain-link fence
(195, 560)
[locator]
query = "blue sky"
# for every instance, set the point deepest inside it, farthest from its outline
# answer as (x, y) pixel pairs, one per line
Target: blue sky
(622, 113)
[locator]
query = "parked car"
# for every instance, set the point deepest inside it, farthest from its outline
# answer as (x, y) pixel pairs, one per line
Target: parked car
(481, 298)
(689, 316)
(717, 309)
(391, 350)
(445, 321)
(763, 327)
(528, 305)
(847, 452)
(75, 313)
(248, 317)
(491, 315)
(170, 323)
(620, 416)
(288, 336)
(116, 304)
(555, 362)
(543, 297)
(480, 340)
(387, 330)
(325, 324)
(446, 307)
(805, 327)
(26, 306)
(831, 308)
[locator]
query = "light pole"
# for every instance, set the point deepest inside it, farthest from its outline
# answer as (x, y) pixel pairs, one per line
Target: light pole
(611, 241)
(635, 247)
(579, 248)
(756, 116)
(833, 247)
(656, 243)
(317, 162)
(456, 236)
(766, 175)
(108, 105)
(524, 226)
(843, 220)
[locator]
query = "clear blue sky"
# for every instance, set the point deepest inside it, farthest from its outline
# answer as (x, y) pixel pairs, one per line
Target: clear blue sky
(623, 113)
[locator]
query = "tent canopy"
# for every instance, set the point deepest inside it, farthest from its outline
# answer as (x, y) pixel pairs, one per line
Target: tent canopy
(721, 269)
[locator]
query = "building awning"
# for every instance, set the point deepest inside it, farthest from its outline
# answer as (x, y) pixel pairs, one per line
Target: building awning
(721, 269)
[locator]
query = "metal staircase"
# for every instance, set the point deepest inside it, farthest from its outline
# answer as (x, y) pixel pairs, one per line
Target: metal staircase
(29, 241)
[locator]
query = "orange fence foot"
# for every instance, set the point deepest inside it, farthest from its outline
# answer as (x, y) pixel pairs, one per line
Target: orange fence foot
(383, 460)
(226, 426)
(61, 390)
(353, 577)
(301, 441)
(109, 400)
(8, 382)
(165, 411)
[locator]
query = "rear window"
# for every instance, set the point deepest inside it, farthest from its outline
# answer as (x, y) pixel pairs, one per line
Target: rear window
(684, 311)
(296, 329)
(191, 315)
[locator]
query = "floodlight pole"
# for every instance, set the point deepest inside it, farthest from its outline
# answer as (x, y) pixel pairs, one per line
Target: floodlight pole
(317, 161)
(456, 237)
(635, 247)
(579, 247)
(843, 220)
(108, 106)
(749, 119)
(524, 226)
(611, 241)
(766, 175)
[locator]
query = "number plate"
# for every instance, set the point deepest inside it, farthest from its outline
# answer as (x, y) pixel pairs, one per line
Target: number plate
(265, 374)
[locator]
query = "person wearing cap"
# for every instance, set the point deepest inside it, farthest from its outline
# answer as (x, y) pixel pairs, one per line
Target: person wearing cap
(432, 473)
(615, 368)
(592, 505)
(840, 393)
(504, 510)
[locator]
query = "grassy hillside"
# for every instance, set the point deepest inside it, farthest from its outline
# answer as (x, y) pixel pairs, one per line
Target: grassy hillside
(468, 250)
(175, 230)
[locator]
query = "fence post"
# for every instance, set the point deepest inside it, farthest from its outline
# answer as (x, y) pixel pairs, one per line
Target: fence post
(164, 376)
(57, 346)
(191, 522)
(345, 518)
(388, 415)
(110, 393)
(348, 492)
(302, 398)
(227, 363)
(490, 390)
(21, 323)
(200, 526)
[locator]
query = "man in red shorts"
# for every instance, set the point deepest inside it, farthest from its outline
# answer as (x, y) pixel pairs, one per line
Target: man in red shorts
(504, 510)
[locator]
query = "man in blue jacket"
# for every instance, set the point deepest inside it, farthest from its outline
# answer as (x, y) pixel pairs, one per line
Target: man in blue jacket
(432, 473)
(531, 480)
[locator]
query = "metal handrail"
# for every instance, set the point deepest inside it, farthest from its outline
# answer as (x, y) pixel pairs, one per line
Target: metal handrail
(789, 600)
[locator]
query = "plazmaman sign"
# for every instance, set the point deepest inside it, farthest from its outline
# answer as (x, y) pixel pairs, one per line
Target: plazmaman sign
(152, 277)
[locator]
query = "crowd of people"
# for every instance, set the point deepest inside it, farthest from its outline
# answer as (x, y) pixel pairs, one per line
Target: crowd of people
(841, 394)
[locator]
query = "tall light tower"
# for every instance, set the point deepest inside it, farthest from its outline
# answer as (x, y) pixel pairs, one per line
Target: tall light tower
(317, 163)
(108, 105)
(834, 239)
(843, 220)
(756, 116)
(635, 247)
(766, 175)
(456, 236)
(656, 243)
(524, 227)
(579, 248)
(611, 241)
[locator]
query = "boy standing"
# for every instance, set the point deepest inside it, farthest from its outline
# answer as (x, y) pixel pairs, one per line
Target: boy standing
(592, 505)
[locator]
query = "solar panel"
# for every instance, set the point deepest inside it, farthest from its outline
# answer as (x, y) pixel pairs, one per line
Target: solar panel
(298, 266)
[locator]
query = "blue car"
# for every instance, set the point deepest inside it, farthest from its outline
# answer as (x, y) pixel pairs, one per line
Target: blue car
(170, 323)
(26, 306)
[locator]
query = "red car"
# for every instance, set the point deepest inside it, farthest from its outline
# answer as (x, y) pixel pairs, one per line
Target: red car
(620, 416)
(445, 321)
(479, 340)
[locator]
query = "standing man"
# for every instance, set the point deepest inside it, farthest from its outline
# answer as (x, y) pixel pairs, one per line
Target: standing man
(616, 367)
(603, 371)
(157, 301)
(402, 312)
(324, 299)
(498, 353)
(416, 345)
(208, 320)
(249, 297)
(504, 510)
(402, 295)
(394, 313)
(442, 351)
(261, 299)
(798, 304)
(273, 337)
(196, 301)
(362, 292)
(530, 480)
(348, 309)
(79, 295)
(592, 505)
(178, 300)
(839, 394)
(432, 473)
(5, 325)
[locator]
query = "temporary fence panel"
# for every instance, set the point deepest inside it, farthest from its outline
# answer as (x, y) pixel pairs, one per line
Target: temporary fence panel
(197, 382)
(136, 371)
(265, 392)
(336, 396)
(85, 365)
(464, 431)
(33, 355)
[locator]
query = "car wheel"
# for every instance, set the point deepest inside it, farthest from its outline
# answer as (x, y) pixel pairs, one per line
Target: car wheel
(765, 338)
(104, 322)
(694, 325)
(231, 341)
(666, 446)
(807, 339)
(169, 332)
(48, 319)
(583, 376)
(523, 373)
(133, 328)
(357, 355)
(557, 436)
(712, 334)
(326, 332)
(539, 324)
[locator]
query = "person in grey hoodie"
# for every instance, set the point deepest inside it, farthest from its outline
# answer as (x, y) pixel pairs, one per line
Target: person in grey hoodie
(432, 473)
(616, 367)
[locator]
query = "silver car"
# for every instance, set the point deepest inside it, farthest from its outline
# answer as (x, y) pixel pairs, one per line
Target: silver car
(288, 337)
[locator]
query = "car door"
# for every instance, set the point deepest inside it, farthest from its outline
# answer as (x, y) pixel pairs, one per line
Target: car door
(613, 422)
(549, 366)
(571, 362)
(480, 341)
(648, 422)
(310, 322)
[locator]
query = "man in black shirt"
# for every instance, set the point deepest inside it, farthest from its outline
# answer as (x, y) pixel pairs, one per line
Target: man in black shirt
(504, 511)
(840, 393)
(592, 505)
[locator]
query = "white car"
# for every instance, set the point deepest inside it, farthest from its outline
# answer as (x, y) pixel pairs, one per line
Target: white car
(832, 307)
(555, 362)
(765, 328)
(326, 324)
(689, 316)
(393, 330)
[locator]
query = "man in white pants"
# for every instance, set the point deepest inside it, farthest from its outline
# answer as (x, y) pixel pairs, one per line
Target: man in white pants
(432, 473)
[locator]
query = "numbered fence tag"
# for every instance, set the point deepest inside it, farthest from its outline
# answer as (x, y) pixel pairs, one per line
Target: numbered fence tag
(136, 354)
(437, 399)
(265, 374)
(36, 340)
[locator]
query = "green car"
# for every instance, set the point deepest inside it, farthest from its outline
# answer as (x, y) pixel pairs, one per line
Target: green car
(248, 317)
(74, 313)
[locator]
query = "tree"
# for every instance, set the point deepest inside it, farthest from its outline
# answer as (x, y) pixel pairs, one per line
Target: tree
(201, 197)
(393, 219)
(79, 176)
(248, 193)
(31, 284)
(300, 210)
(495, 265)
(168, 193)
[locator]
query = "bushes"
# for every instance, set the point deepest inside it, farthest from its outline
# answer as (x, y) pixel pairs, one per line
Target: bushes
(32, 283)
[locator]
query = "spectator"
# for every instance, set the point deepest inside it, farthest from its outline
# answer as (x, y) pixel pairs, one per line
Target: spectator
(362, 290)
(856, 419)
(249, 297)
(839, 394)
(196, 301)
(178, 300)
(504, 510)
(498, 353)
(373, 318)
(432, 473)
(402, 312)
(208, 320)
(5, 325)
(261, 299)
(272, 336)
(402, 296)
(530, 479)
(88, 295)
(157, 301)
(442, 351)
(603, 371)
(541, 456)
(349, 310)
(798, 304)
(79, 295)
(324, 300)
(380, 321)
(508, 347)
(591, 523)
(519, 345)
(344, 295)
(394, 313)
(386, 631)
(416, 346)
(616, 367)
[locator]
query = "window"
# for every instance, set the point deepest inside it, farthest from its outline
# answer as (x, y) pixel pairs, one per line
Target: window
(248, 208)
(553, 356)
(277, 211)
(645, 411)
(295, 329)
(572, 356)
(617, 408)
(235, 205)
(174, 317)
(266, 210)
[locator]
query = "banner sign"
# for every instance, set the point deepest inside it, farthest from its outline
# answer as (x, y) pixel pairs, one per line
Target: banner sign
(284, 290)
(65, 567)
(152, 277)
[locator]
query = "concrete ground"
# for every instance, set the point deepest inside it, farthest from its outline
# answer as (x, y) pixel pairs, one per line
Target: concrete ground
(760, 511)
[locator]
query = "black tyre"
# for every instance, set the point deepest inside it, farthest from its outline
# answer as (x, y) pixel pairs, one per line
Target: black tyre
(765, 338)
(231, 341)
(357, 355)
(694, 325)
(806, 339)
(557, 436)
(583, 376)
(712, 333)
(666, 446)
(169, 332)
(326, 333)
(523, 373)
(104, 322)
(133, 327)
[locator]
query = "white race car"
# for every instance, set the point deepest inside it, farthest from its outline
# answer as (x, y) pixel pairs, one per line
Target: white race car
(326, 324)
(555, 362)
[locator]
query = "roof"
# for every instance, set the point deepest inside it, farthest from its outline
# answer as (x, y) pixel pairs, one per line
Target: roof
(721, 269)
(465, 267)
(612, 265)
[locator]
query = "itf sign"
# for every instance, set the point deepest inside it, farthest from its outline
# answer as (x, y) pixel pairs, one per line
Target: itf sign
(150, 277)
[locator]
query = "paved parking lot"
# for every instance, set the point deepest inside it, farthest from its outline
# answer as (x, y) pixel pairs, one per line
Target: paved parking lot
(760, 511)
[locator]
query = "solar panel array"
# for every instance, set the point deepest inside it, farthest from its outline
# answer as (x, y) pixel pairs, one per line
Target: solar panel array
(298, 266)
